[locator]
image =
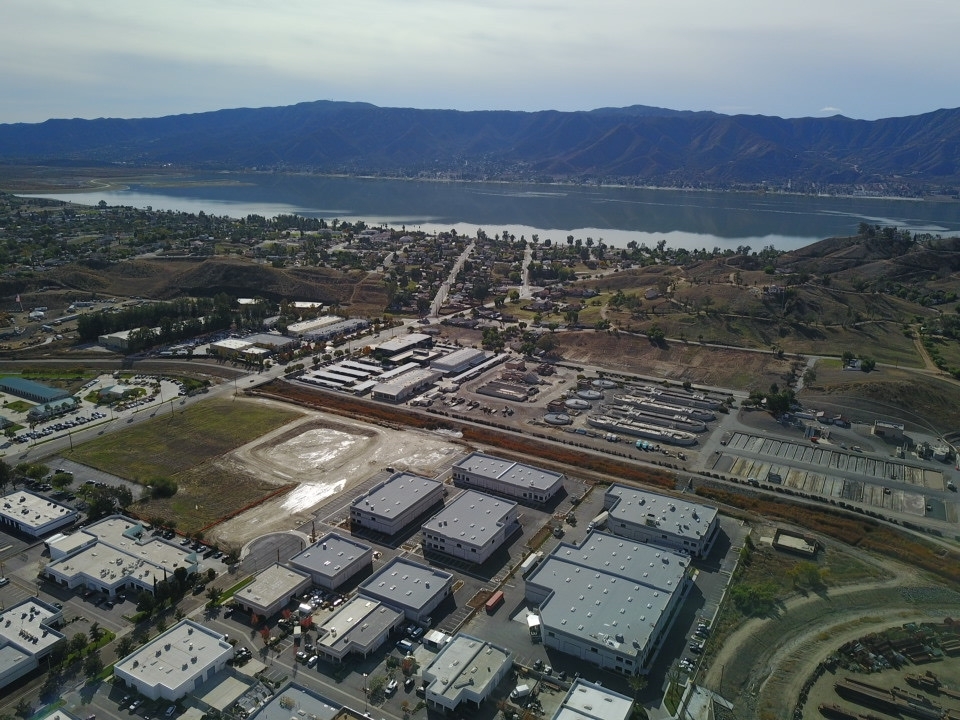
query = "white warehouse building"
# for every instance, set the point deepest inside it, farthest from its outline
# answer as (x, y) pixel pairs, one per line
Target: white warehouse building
(524, 483)
(609, 601)
(394, 504)
(333, 560)
(175, 662)
(472, 527)
(662, 520)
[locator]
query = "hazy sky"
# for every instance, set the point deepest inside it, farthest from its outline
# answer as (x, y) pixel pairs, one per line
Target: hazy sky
(134, 58)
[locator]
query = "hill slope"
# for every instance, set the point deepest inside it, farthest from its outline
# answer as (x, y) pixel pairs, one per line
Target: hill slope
(636, 144)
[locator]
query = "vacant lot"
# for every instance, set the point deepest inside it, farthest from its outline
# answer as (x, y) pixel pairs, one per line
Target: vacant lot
(171, 444)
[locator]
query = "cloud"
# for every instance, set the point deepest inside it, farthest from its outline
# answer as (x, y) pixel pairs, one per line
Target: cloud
(829, 110)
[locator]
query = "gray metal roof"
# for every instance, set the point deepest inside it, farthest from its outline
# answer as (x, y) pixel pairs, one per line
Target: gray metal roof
(330, 555)
(472, 516)
(510, 472)
(404, 583)
(395, 495)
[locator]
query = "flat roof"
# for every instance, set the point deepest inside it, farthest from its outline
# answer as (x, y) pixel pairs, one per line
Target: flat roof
(296, 701)
(231, 344)
(123, 549)
(330, 554)
(396, 495)
(588, 701)
(395, 345)
(272, 584)
(405, 583)
(11, 657)
(679, 517)
(472, 516)
(458, 357)
(513, 473)
(32, 510)
(406, 380)
(610, 589)
(177, 655)
(465, 656)
(358, 623)
(307, 325)
(25, 626)
(272, 339)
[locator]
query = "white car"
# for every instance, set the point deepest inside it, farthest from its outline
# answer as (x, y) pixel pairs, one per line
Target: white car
(392, 687)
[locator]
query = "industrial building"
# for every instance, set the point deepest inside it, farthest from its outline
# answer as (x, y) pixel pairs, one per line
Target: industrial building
(113, 555)
(294, 700)
(335, 330)
(472, 527)
(30, 390)
(333, 560)
(609, 601)
(888, 430)
(33, 515)
(28, 633)
(588, 701)
(272, 589)
(459, 361)
(175, 662)
(409, 587)
(401, 387)
(393, 347)
(309, 326)
(46, 411)
(394, 504)
(524, 483)
(466, 670)
(361, 626)
(228, 347)
(674, 523)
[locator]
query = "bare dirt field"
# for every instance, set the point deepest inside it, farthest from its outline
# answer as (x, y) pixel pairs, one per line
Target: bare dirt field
(323, 455)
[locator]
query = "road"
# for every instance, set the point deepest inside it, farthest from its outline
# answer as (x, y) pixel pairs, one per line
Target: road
(444, 290)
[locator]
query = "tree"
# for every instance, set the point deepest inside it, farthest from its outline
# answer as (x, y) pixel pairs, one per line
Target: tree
(93, 665)
(61, 480)
(77, 643)
(5, 475)
(125, 646)
(95, 632)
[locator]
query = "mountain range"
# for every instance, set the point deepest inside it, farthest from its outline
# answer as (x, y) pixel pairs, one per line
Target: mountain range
(636, 144)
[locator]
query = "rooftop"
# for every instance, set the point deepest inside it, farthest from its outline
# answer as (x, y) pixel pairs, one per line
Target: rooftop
(176, 656)
(670, 515)
(358, 623)
(32, 510)
(272, 584)
(25, 626)
(295, 701)
(397, 344)
(19, 384)
(330, 554)
(471, 516)
(587, 701)
(396, 494)
(405, 583)
(464, 662)
(510, 472)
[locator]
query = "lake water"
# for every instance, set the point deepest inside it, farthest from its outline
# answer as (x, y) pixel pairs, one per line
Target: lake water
(690, 219)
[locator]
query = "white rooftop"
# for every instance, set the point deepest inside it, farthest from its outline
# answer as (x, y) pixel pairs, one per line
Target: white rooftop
(31, 510)
(358, 623)
(679, 517)
(402, 342)
(587, 701)
(404, 583)
(176, 656)
(25, 626)
(466, 661)
(273, 584)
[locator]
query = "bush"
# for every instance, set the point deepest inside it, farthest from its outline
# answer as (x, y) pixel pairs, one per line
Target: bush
(163, 487)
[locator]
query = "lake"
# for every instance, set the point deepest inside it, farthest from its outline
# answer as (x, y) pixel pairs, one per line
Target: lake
(689, 219)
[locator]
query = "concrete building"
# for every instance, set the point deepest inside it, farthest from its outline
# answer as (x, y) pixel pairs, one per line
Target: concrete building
(333, 560)
(28, 633)
(116, 392)
(678, 524)
(609, 601)
(295, 701)
(589, 701)
(272, 342)
(335, 330)
(394, 504)
(308, 326)
(175, 662)
(271, 590)
(361, 626)
(399, 345)
(119, 341)
(30, 390)
(467, 670)
(115, 555)
(404, 386)
(228, 347)
(472, 527)
(33, 515)
(409, 587)
(459, 361)
(524, 483)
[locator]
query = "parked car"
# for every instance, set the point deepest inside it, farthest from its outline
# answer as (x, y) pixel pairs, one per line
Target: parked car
(391, 687)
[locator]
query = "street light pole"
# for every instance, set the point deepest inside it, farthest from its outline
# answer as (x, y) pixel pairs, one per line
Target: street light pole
(364, 693)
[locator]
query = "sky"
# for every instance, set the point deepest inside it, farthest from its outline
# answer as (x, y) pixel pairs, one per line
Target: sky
(135, 58)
